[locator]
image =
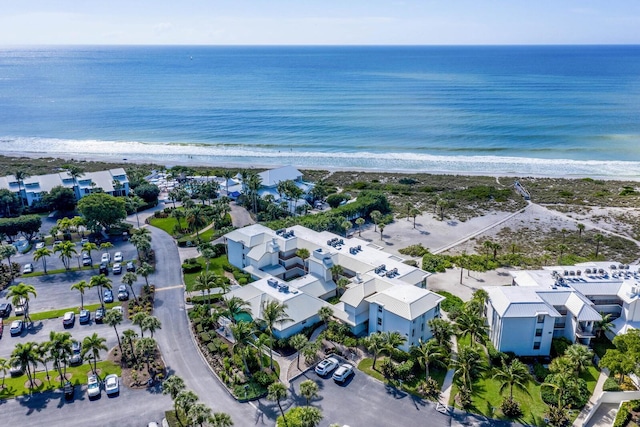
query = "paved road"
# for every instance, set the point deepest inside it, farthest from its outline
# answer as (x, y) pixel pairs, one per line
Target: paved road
(364, 401)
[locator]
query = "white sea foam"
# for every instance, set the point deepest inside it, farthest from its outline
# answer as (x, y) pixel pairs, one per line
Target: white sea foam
(246, 156)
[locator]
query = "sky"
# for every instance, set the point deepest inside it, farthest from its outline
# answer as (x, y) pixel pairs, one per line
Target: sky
(319, 22)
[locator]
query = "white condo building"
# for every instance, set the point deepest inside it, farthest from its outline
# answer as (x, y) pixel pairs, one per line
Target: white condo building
(562, 301)
(384, 294)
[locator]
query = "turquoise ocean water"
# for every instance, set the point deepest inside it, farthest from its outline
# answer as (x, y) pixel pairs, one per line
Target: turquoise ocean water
(539, 110)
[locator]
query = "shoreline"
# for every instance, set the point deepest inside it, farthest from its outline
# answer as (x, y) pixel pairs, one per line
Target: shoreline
(197, 161)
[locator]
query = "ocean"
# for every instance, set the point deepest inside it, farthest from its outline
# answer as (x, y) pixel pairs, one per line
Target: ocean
(517, 110)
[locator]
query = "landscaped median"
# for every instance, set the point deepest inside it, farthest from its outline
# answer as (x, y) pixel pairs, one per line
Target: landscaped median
(19, 385)
(53, 314)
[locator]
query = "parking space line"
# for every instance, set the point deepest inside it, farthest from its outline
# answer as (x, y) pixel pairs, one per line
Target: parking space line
(169, 288)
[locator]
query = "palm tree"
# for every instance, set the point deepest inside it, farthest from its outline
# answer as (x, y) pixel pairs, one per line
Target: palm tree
(74, 172)
(336, 272)
(360, 222)
(393, 340)
(60, 351)
(346, 225)
(516, 374)
(20, 177)
(472, 325)
(220, 419)
(325, 313)
(146, 347)
(151, 324)
(25, 356)
(599, 238)
(273, 313)
(89, 247)
(204, 282)
(196, 219)
(375, 217)
(42, 254)
(428, 352)
(605, 325)
(198, 414)
(185, 400)
(178, 214)
(4, 367)
(129, 279)
(67, 250)
(7, 251)
(580, 356)
(468, 366)
(243, 335)
(138, 319)
(581, 228)
(100, 282)
(19, 295)
(43, 356)
(309, 389)
(173, 386)
(375, 344)
(303, 253)
(414, 213)
(80, 287)
(145, 270)
(310, 416)
(381, 226)
(235, 307)
(113, 318)
(93, 345)
(129, 336)
(142, 243)
(277, 392)
(298, 342)
(562, 248)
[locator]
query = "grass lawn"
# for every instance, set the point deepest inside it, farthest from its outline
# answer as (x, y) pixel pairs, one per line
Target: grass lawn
(42, 315)
(15, 386)
(214, 266)
(366, 366)
(58, 271)
(166, 224)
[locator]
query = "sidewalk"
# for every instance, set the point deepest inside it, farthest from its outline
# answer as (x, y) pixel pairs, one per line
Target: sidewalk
(597, 391)
(445, 395)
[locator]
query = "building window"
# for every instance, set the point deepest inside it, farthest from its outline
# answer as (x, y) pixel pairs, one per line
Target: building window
(539, 332)
(536, 345)
(540, 318)
(379, 321)
(422, 327)
(413, 332)
(379, 309)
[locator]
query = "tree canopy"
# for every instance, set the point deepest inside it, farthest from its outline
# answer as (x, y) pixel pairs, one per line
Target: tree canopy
(101, 209)
(60, 199)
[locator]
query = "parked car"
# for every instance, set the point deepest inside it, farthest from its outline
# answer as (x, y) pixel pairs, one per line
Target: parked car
(343, 372)
(131, 266)
(117, 268)
(39, 245)
(5, 309)
(57, 242)
(93, 386)
(16, 327)
(19, 311)
(16, 371)
(85, 316)
(108, 296)
(76, 353)
(119, 309)
(123, 293)
(86, 259)
(111, 384)
(104, 268)
(68, 319)
(106, 257)
(84, 240)
(68, 390)
(326, 366)
(28, 268)
(117, 257)
(99, 316)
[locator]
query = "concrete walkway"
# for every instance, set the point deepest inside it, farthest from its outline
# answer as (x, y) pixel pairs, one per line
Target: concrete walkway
(445, 395)
(597, 391)
(604, 416)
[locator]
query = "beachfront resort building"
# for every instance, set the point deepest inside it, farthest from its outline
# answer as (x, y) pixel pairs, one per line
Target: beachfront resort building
(562, 301)
(32, 188)
(383, 293)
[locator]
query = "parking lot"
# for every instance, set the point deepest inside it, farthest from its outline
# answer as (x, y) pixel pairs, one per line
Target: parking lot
(364, 401)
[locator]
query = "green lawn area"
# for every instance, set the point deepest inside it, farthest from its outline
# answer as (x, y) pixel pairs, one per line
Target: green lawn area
(42, 315)
(15, 386)
(366, 366)
(215, 266)
(166, 224)
(57, 271)
(487, 399)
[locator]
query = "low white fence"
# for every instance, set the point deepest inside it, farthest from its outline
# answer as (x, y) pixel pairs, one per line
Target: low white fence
(611, 397)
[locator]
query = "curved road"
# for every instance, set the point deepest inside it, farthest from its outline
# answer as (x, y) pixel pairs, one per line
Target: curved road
(178, 349)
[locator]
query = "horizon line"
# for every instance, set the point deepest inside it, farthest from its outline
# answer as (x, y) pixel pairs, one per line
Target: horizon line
(2, 46)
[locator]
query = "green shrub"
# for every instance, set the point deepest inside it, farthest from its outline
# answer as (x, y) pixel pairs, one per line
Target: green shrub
(435, 263)
(212, 347)
(411, 262)
(510, 408)
(334, 200)
(414, 250)
(451, 302)
(191, 268)
(611, 385)
(199, 328)
(205, 337)
(264, 379)
(540, 372)
(624, 415)
(559, 346)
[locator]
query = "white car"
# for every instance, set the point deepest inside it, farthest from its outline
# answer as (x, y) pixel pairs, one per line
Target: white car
(105, 258)
(19, 311)
(343, 373)
(117, 257)
(326, 366)
(111, 384)
(28, 268)
(117, 268)
(39, 245)
(93, 386)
